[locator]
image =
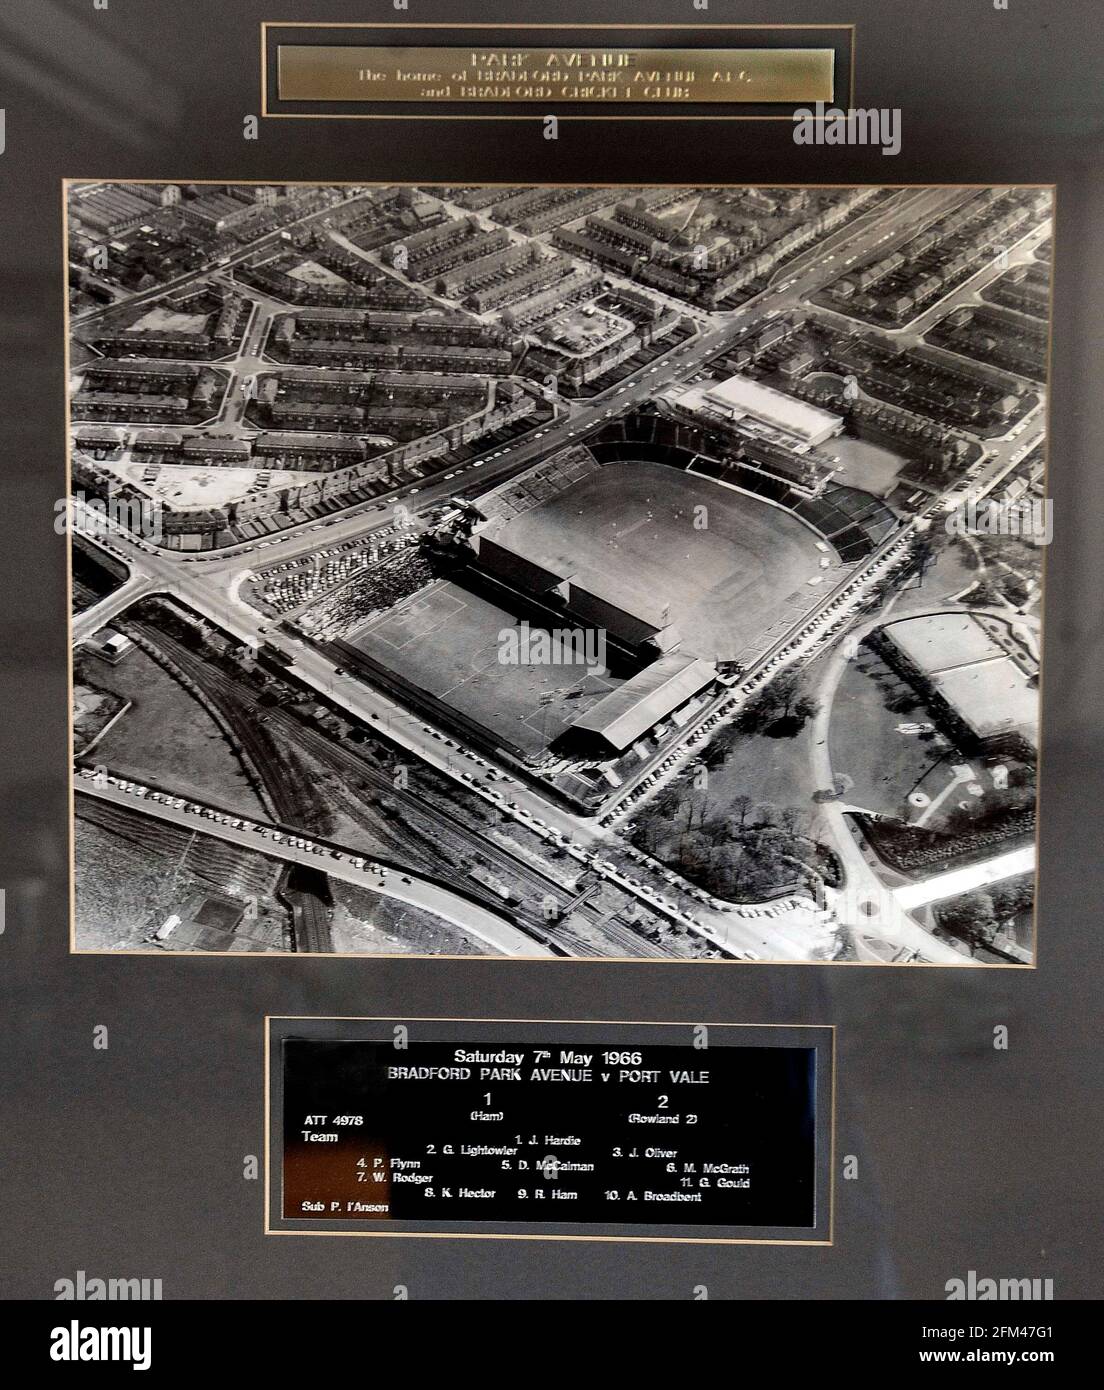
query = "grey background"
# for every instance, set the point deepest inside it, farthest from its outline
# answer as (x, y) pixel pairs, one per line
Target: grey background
(128, 1162)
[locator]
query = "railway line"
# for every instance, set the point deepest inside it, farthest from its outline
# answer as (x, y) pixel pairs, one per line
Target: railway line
(295, 800)
(285, 782)
(286, 785)
(336, 861)
(540, 886)
(310, 919)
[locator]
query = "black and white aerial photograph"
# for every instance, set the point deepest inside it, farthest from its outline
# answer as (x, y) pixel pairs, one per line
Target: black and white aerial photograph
(628, 573)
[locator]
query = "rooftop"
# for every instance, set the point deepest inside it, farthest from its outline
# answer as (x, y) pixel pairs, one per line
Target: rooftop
(646, 698)
(993, 697)
(739, 396)
(972, 670)
(941, 641)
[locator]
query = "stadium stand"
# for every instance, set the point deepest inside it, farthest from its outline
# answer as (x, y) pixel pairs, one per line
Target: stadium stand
(625, 715)
(369, 592)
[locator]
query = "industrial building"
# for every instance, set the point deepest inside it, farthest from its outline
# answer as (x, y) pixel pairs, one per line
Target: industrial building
(760, 410)
(976, 669)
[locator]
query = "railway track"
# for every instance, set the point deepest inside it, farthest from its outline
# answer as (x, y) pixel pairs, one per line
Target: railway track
(541, 886)
(293, 795)
(310, 931)
(290, 790)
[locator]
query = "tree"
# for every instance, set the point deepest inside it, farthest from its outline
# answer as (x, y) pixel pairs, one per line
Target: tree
(806, 707)
(790, 818)
(972, 918)
(715, 755)
(1012, 897)
(696, 804)
(784, 689)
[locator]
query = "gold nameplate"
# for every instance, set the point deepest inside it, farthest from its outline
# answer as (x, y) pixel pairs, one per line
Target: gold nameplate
(309, 72)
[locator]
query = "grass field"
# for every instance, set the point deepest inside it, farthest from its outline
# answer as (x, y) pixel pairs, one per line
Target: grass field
(883, 764)
(167, 737)
(887, 758)
(445, 640)
(633, 533)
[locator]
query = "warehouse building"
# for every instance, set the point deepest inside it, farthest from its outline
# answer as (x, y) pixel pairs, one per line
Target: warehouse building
(977, 672)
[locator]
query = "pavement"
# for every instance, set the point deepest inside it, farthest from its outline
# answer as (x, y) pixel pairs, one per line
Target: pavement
(974, 876)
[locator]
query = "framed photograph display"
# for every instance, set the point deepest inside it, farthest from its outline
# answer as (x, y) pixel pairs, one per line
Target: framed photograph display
(552, 671)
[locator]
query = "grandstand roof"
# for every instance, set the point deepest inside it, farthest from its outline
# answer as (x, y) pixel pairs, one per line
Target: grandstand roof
(633, 708)
(743, 396)
(510, 563)
(600, 598)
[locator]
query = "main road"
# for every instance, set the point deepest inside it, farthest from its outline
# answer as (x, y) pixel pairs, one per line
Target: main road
(469, 916)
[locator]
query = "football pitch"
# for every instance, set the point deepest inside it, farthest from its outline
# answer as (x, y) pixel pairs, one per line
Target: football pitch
(446, 641)
(731, 571)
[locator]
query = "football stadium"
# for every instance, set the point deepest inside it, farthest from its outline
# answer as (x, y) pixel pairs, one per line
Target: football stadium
(660, 556)
(680, 573)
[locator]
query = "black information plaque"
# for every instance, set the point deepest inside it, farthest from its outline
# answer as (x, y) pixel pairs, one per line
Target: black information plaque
(504, 1127)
